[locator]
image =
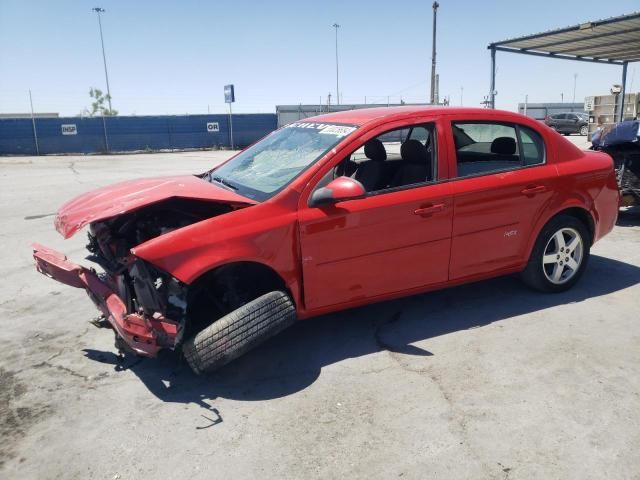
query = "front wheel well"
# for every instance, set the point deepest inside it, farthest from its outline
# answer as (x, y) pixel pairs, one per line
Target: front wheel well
(226, 288)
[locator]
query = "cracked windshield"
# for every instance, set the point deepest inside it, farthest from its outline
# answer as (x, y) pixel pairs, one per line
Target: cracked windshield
(263, 169)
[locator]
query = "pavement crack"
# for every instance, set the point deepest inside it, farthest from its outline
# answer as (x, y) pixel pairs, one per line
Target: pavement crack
(70, 371)
(54, 356)
(459, 419)
(438, 382)
(398, 353)
(378, 336)
(76, 174)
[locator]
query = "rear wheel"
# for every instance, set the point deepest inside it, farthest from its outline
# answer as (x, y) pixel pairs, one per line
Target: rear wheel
(559, 256)
(584, 130)
(239, 331)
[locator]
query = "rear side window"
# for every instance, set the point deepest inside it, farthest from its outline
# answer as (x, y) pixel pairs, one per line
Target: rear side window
(532, 147)
(485, 147)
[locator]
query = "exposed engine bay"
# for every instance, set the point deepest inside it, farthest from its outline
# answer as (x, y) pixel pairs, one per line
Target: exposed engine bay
(144, 289)
(111, 240)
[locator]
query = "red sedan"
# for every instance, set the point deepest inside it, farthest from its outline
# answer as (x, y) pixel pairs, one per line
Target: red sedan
(332, 212)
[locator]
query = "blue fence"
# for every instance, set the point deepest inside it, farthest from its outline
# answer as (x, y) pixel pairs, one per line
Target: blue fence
(125, 134)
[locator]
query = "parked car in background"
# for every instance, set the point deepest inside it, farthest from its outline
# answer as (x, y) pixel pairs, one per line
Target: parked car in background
(336, 211)
(568, 123)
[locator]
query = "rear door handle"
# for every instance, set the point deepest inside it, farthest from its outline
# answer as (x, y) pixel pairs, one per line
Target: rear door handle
(430, 210)
(534, 190)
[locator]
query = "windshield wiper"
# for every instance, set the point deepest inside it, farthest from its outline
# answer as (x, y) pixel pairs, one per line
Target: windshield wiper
(223, 182)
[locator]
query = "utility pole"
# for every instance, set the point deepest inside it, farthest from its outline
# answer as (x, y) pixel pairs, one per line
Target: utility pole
(575, 78)
(433, 54)
(336, 26)
(33, 123)
(98, 11)
(492, 90)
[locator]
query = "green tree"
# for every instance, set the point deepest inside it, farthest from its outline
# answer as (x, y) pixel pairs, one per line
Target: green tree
(98, 105)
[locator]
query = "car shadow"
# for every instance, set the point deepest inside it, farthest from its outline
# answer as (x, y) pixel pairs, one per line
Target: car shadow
(294, 359)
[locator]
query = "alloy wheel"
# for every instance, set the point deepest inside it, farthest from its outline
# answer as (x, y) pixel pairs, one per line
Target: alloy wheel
(563, 256)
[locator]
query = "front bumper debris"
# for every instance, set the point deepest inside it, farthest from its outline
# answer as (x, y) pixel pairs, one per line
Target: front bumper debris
(145, 335)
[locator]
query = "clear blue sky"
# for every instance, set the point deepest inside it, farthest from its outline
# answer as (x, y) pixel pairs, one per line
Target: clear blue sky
(175, 56)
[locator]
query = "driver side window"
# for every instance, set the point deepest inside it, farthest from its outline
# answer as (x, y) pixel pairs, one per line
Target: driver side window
(394, 159)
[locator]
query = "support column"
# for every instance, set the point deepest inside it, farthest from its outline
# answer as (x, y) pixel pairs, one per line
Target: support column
(624, 90)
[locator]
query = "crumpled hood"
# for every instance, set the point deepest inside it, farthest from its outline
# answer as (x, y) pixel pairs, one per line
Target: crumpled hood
(114, 200)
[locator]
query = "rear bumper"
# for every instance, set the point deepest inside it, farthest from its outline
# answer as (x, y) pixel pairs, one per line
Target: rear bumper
(144, 335)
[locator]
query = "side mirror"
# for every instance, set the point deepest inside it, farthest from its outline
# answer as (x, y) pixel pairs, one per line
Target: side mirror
(338, 190)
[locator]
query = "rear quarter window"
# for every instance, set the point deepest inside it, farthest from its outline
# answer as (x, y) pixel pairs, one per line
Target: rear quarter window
(533, 151)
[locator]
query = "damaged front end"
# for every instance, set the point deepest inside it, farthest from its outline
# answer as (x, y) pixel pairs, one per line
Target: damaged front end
(142, 320)
(145, 306)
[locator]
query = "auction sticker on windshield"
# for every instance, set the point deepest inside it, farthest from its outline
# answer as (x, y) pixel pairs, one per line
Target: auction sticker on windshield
(325, 128)
(338, 130)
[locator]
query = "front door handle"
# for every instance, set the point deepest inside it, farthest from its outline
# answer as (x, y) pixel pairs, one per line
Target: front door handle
(429, 210)
(534, 190)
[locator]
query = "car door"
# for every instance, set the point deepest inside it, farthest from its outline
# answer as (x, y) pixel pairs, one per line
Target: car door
(573, 123)
(497, 201)
(558, 122)
(393, 240)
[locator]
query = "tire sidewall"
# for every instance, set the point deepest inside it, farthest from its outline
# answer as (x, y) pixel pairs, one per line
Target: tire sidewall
(534, 273)
(239, 331)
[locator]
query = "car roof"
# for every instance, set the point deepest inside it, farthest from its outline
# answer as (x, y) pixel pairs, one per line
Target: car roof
(363, 116)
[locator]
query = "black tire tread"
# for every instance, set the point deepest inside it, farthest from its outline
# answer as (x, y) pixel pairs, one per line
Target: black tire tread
(239, 331)
(533, 275)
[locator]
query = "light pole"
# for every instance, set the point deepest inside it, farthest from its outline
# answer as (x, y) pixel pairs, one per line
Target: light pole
(433, 54)
(336, 26)
(575, 78)
(98, 11)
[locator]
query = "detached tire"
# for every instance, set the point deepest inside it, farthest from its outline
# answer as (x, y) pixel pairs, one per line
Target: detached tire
(559, 256)
(239, 331)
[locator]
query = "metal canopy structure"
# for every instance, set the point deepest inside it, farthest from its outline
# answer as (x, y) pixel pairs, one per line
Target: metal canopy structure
(613, 41)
